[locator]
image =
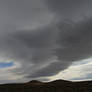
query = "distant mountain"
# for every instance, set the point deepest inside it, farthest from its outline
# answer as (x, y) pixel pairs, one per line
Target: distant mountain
(54, 86)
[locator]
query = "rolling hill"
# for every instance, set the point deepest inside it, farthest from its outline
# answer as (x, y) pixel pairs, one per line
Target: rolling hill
(54, 86)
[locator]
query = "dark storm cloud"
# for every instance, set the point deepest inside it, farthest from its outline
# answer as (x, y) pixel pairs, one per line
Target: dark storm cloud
(39, 39)
(50, 70)
(74, 43)
(76, 40)
(70, 8)
(68, 43)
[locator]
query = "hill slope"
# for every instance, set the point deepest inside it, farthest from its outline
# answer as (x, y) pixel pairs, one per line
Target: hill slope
(54, 86)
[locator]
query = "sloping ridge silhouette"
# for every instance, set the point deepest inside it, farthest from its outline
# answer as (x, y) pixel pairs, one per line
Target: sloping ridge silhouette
(54, 86)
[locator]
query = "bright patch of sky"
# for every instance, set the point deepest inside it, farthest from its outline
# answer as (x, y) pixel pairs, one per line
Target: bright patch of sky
(6, 76)
(78, 71)
(6, 64)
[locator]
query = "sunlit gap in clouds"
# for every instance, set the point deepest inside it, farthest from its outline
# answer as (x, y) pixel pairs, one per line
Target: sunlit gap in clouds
(7, 67)
(78, 71)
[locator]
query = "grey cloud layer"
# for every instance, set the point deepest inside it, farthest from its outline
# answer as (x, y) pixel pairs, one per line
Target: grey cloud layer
(44, 45)
(68, 43)
(74, 9)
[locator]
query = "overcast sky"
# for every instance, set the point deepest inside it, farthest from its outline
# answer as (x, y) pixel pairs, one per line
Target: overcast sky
(45, 39)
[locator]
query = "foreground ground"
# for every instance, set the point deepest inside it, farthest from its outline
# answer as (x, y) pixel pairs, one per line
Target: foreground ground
(55, 86)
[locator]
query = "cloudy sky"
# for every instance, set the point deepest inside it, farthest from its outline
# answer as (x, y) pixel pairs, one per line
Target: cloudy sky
(45, 40)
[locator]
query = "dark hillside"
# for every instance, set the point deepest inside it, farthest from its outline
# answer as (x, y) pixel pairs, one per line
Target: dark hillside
(54, 86)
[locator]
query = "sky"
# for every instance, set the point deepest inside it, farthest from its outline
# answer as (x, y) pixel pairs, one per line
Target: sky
(45, 40)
